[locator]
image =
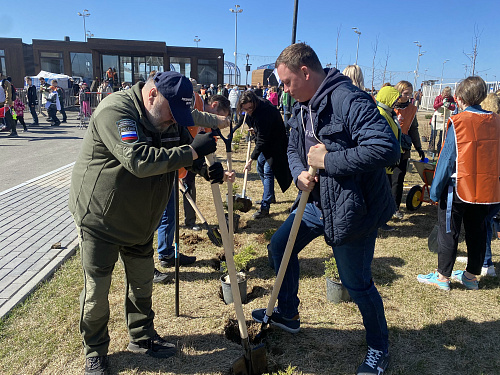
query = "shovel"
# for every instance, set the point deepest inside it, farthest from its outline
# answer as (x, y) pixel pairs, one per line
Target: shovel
(245, 202)
(213, 234)
(254, 361)
(286, 256)
(176, 241)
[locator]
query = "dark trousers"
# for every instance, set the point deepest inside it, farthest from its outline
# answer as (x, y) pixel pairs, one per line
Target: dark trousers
(397, 180)
(189, 213)
(63, 112)
(473, 217)
(34, 114)
(10, 123)
(98, 261)
(52, 111)
(21, 121)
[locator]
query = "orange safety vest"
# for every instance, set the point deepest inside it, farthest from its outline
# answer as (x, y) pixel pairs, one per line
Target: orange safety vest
(193, 130)
(406, 116)
(477, 136)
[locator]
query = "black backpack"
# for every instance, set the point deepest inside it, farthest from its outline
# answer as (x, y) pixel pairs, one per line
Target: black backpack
(14, 92)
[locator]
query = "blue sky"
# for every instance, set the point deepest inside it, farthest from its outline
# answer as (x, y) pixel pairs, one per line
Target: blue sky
(445, 29)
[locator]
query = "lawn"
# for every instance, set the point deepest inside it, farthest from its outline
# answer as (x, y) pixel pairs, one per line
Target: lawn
(431, 331)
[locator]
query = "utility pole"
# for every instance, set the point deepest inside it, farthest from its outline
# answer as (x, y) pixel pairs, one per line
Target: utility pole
(236, 11)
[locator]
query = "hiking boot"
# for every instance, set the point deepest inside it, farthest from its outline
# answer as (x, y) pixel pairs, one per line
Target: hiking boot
(155, 347)
(459, 276)
(96, 365)
(184, 260)
(398, 215)
(375, 362)
(13, 135)
(488, 271)
(433, 279)
(262, 213)
(160, 277)
(386, 228)
(291, 325)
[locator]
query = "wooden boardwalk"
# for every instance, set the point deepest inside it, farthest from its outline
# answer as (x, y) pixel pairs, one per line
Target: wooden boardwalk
(34, 217)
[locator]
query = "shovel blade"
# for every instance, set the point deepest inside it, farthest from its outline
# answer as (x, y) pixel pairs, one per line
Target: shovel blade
(256, 365)
(245, 202)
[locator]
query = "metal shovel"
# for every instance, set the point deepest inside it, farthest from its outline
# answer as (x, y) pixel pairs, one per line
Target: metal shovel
(254, 361)
(213, 234)
(286, 256)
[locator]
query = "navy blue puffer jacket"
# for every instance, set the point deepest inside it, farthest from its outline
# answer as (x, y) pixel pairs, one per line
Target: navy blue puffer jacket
(355, 193)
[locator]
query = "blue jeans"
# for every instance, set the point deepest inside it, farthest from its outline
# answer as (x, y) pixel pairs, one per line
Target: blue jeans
(267, 177)
(166, 230)
(354, 263)
(489, 232)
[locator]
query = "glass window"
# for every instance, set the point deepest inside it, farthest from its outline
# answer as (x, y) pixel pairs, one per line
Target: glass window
(140, 69)
(81, 65)
(181, 65)
(52, 62)
(2, 62)
(207, 71)
(154, 63)
(109, 61)
(126, 69)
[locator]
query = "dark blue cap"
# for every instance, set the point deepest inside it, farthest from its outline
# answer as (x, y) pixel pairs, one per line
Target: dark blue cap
(178, 90)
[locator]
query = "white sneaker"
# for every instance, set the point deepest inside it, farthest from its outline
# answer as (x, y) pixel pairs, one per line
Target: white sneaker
(462, 259)
(488, 271)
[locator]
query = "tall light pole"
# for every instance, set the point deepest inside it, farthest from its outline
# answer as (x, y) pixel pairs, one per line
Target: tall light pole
(89, 34)
(356, 30)
(442, 70)
(418, 62)
(196, 40)
(235, 11)
(84, 14)
(247, 67)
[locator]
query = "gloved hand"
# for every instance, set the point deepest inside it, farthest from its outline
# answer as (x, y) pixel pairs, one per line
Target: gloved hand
(421, 153)
(216, 173)
(390, 168)
(204, 144)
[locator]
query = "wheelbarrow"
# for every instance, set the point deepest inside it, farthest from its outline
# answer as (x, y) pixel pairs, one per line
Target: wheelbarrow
(417, 193)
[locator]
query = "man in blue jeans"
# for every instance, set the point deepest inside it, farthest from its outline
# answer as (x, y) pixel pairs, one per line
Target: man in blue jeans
(337, 129)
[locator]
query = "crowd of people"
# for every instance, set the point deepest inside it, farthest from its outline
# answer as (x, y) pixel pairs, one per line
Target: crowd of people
(357, 142)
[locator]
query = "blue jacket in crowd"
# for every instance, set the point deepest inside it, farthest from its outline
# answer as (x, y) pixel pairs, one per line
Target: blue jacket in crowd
(354, 190)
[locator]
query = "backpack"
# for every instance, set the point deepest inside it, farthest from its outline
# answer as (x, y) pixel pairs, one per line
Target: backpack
(14, 93)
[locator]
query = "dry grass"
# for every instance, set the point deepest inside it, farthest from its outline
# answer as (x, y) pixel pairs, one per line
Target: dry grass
(431, 332)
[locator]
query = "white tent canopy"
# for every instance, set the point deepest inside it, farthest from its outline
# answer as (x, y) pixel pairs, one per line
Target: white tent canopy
(62, 79)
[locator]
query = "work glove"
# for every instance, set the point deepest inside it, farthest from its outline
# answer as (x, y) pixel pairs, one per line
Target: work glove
(421, 153)
(215, 173)
(204, 144)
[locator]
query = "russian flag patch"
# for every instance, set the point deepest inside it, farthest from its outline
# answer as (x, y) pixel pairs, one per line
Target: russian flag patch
(128, 130)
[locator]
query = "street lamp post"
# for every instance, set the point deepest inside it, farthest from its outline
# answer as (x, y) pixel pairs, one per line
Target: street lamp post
(84, 14)
(196, 40)
(442, 72)
(247, 67)
(356, 30)
(418, 62)
(235, 11)
(89, 34)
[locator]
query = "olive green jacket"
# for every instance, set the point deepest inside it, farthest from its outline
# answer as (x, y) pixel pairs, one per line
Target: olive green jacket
(124, 174)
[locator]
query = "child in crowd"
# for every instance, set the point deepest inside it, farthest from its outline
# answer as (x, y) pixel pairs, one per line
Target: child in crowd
(19, 109)
(466, 185)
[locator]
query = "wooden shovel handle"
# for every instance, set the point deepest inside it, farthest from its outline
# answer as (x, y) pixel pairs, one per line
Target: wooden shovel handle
(245, 179)
(228, 251)
(192, 202)
(289, 247)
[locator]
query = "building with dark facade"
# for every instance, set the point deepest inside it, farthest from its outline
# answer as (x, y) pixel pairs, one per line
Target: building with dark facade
(132, 59)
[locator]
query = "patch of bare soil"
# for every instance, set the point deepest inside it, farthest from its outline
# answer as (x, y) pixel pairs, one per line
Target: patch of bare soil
(257, 292)
(191, 239)
(232, 331)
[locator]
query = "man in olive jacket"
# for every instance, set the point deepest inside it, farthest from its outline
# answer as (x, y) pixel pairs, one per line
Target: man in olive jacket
(120, 186)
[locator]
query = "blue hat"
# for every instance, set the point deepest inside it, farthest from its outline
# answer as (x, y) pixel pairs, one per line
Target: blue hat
(178, 90)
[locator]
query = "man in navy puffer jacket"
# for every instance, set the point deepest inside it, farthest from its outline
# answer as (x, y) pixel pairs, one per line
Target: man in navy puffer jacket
(337, 129)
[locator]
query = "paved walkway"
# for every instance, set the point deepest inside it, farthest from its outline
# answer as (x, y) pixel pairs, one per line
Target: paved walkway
(34, 217)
